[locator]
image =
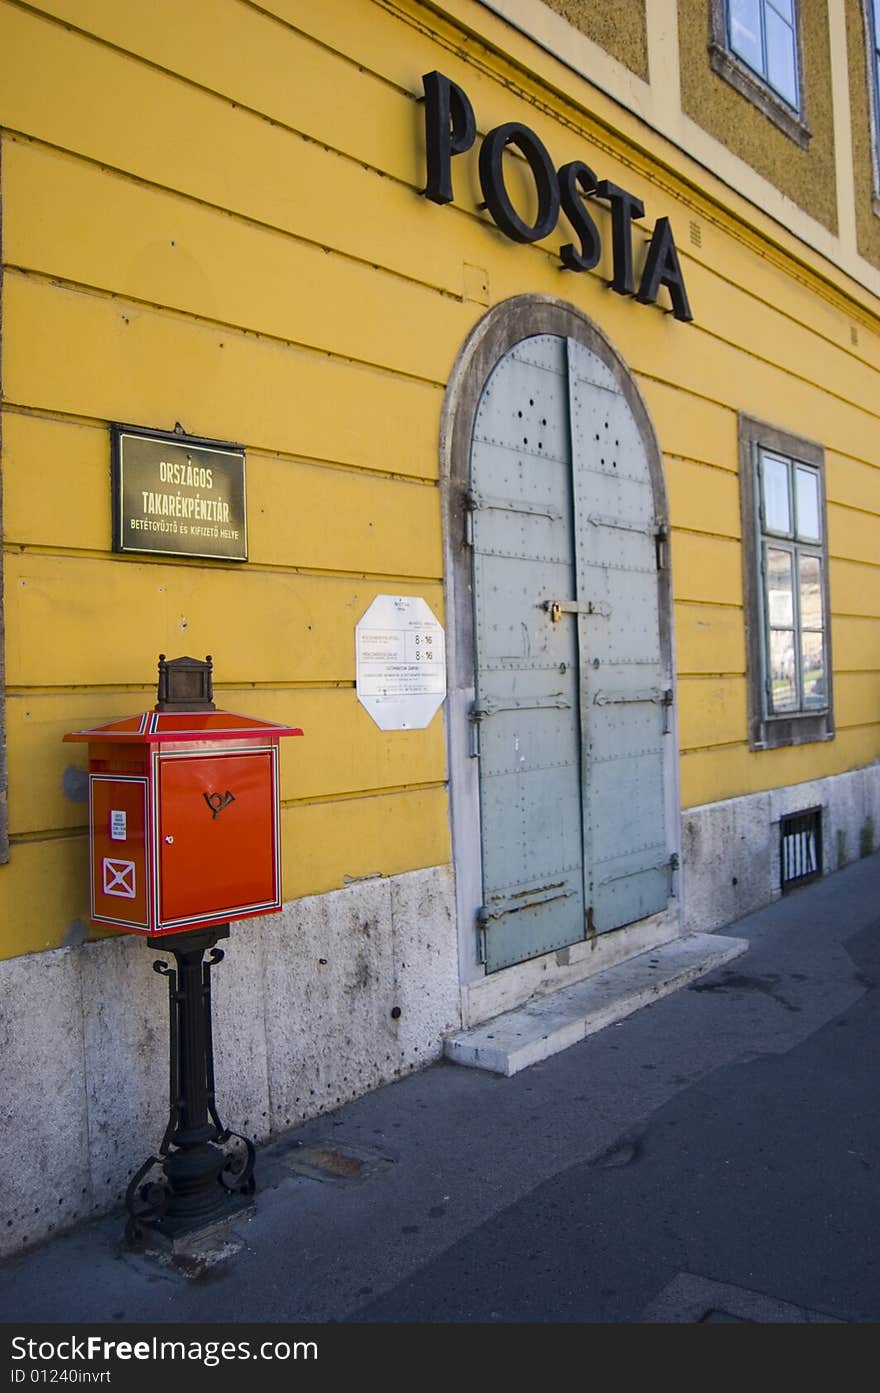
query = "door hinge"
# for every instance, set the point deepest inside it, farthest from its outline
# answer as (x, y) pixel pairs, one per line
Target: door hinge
(475, 715)
(661, 543)
(655, 694)
(673, 867)
(661, 696)
(481, 944)
(668, 698)
(541, 895)
(489, 707)
(658, 530)
(477, 502)
(669, 863)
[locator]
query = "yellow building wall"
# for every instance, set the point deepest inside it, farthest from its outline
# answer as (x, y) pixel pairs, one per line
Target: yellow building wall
(211, 216)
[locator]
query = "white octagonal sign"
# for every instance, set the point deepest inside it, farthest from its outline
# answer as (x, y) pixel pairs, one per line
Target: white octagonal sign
(401, 662)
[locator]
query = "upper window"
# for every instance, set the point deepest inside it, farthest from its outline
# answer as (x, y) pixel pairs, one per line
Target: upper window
(754, 45)
(873, 27)
(763, 34)
(786, 584)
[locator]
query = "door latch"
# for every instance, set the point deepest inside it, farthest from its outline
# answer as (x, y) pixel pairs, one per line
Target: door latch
(556, 608)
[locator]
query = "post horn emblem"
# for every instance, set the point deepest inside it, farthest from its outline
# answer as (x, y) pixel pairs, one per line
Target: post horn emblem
(218, 801)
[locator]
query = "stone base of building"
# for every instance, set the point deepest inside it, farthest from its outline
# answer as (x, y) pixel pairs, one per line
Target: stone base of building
(312, 1007)
(731, 851)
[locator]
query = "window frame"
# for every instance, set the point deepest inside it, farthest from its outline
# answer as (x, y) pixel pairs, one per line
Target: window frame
(871, 17)
(770, 729)
(750, 83)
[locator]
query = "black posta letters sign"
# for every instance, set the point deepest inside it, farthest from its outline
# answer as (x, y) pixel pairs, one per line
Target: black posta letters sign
(451, 129)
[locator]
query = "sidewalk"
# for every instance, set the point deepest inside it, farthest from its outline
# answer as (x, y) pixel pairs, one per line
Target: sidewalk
(712, 1156)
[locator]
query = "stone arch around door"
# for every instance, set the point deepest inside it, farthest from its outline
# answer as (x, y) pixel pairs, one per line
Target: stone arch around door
(560, 711)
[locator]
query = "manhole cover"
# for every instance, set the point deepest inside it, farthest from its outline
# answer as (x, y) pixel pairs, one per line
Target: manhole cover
(336, 1161)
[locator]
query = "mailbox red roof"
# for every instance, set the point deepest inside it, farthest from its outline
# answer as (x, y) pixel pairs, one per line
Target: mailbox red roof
(151, 727)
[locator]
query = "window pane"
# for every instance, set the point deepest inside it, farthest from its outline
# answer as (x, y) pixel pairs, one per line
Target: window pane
(811, 591)
(783, 694)
(745, 31)
(784, 7)
(781, 72)
(780, 609)
(813, 669)
(777, 517)
(807, 504)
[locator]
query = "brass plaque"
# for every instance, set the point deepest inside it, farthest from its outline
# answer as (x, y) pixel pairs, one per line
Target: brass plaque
(178, 496)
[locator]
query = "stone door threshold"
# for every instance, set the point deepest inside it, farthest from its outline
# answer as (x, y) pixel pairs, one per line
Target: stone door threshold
(551, 1023)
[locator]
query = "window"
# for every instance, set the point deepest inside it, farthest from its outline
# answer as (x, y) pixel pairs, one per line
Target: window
(762, 33)
(872, 26)
(800, 848)
(755, 46)
(786, 586)
(791, 564)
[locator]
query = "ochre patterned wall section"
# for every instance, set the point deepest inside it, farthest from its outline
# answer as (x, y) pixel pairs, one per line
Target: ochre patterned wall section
(620, 29)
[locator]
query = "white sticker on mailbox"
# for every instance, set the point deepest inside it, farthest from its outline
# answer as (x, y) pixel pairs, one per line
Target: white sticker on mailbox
(118, 877)
(117, 825)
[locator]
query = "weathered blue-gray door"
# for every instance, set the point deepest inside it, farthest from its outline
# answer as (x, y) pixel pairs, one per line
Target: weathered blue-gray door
(570, 709)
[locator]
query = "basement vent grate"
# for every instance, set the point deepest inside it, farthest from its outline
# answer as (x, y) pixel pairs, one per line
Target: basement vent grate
(800, 848)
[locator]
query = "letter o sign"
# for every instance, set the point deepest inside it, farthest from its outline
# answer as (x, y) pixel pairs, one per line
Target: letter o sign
(495, 193)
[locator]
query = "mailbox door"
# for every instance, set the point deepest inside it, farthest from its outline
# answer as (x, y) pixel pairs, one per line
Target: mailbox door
(217, 836)
(118, 821)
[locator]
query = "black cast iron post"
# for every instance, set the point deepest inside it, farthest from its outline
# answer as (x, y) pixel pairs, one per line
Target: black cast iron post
(204, 1171)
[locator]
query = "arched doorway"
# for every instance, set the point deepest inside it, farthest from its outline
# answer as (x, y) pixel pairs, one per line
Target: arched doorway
(561, 728)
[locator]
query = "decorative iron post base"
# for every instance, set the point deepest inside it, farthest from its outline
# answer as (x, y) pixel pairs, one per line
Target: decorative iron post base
(203, 1172)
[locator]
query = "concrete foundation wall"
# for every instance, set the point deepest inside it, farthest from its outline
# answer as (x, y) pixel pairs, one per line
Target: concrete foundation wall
(731, 849)
(302, 1009)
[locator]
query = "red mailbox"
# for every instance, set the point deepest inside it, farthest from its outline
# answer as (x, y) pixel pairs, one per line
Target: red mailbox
(183, 816)
(183, 837)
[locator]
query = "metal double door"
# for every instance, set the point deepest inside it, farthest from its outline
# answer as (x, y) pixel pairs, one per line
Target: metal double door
(571, 708)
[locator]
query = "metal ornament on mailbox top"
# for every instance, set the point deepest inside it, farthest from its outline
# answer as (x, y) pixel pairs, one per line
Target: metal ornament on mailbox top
(183, 819)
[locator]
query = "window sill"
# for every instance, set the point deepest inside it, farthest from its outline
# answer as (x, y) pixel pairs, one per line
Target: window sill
(775, 732)
(750, 85)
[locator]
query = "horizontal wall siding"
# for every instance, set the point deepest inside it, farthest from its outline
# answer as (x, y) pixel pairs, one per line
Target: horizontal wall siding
(341, 754)
(134, 364)
(211, 216)
(381, 525)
